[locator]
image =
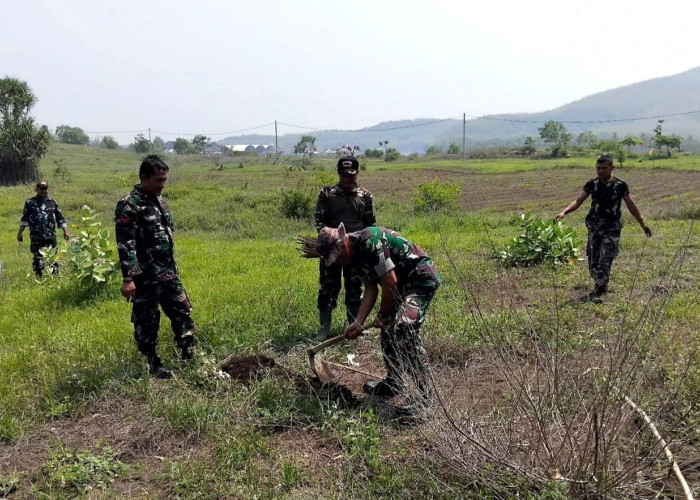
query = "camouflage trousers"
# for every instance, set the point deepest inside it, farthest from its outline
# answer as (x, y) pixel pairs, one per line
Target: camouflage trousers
(145, 316)
(601, 249)
(38, 262)
(329, 288)
(401, 343)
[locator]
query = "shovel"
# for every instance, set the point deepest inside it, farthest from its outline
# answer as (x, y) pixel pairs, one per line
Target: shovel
(321, 368)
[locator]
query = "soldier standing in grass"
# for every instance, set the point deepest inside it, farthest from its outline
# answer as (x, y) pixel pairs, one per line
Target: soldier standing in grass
(41, 214)
(604, 220)
(144, 232)
(352, 205)
(409, 280)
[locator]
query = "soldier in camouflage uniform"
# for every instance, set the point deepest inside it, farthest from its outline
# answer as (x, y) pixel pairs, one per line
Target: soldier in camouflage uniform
(41, 214)
(409, 280)
(604, 220)
(144, 232)
(352, 205)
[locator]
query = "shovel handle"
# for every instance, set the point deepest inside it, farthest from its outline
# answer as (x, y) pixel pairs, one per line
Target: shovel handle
(332, 341)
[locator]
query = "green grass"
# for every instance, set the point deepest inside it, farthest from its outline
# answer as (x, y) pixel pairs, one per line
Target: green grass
(63, 349)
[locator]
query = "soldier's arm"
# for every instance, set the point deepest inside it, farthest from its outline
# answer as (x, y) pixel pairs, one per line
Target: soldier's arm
(369, 298)
(636, 213)
(370, 218)
(61, 221)
(572, 206)
(321, 210)
(125, 218)
(24, 222)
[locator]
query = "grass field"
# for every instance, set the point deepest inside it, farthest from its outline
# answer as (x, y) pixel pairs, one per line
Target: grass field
(79, 416)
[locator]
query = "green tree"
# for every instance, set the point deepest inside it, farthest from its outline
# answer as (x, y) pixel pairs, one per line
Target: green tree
(72, 135)
(555, 133)
(109, 142)
(587, 140)
(529, 146)
(669, 142)
(453, 149)
(182, 146)
(433, 151)
(374, 153)
(22, 142)
(199, 143)
(141, 144)
(630, 141)
(305, 146)
(158, 144)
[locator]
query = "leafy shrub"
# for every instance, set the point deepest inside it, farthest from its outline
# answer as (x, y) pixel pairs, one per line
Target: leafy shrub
(78, 471)
(374, 153)
(391, 155)
(436, 195)
(92, 260)
(541, 241)
(297, 204)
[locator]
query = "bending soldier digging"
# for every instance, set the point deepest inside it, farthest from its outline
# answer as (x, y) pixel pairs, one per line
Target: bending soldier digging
(42, 214)
(351, 205)
(409, 280)
(144, 232)
(604, 220)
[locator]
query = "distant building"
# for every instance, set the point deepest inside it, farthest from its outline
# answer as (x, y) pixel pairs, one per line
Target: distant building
(260, 149)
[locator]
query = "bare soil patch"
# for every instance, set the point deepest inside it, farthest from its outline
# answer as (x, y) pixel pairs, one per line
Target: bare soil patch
(547, 188)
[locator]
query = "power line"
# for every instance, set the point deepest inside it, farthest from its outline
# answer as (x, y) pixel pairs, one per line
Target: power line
(372, 129)
(401, 127)
(211, 134)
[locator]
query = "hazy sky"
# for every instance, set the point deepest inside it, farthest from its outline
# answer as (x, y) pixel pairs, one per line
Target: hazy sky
(216, 66)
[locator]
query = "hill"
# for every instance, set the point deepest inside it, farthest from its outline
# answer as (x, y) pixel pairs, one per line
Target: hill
(603, 113)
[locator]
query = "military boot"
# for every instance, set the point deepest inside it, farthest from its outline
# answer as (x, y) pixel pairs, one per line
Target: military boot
(325, 331)
(187, 349)
(386, 388)
(155, 366)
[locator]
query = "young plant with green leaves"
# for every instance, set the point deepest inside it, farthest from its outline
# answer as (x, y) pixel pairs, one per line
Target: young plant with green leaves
(542, 241)
(91, 256)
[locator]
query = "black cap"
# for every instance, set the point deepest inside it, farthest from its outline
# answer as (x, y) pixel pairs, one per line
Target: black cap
(348, 165)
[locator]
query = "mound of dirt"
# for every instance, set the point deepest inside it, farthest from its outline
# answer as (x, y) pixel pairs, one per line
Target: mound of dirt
(246, 368)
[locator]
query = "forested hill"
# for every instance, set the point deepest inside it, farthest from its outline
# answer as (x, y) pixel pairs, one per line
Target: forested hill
(676, 94)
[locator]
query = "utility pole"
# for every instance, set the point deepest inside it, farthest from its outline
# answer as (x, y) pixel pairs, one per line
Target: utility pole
(150, 142)
(464, 137)
(277, 153)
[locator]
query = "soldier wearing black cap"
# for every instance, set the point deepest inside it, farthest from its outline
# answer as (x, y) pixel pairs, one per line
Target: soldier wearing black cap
(41, 214)
(352, 205)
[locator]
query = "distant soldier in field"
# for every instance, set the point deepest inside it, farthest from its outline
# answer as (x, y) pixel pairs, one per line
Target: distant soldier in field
(604, 220)
(409, 280)
(144, 232)
(41, 214)
(352, 205)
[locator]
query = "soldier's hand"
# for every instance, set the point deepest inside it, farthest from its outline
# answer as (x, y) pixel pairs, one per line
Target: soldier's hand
(380, 322)
(559, 216)
(353, 331)
(647, 231)
(66, 235)
(20, 238)
(128, 290)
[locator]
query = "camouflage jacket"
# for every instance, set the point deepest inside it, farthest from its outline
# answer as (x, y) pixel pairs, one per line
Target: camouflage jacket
(42, 214)
(377, 250)
(606, 200)
(144, 231)
(353, 208)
